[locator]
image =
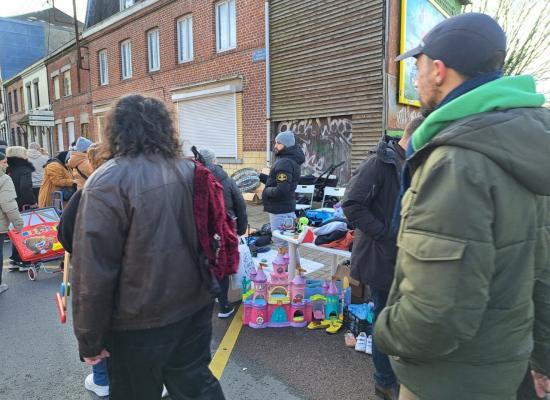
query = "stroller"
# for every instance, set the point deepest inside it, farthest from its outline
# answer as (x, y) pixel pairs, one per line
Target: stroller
(326, 179)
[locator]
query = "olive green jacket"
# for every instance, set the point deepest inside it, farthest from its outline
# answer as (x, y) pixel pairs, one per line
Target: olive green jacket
(470, 302)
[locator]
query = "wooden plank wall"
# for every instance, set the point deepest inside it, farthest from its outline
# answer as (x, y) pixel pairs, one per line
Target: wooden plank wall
(326, 60)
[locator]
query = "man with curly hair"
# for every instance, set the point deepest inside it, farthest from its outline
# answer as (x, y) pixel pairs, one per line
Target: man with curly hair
(141, 294)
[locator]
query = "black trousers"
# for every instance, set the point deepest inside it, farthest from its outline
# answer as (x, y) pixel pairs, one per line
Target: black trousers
(224, 288)
(176, 355)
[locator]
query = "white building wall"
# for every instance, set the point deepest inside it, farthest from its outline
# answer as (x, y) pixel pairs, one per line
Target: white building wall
(40, 72)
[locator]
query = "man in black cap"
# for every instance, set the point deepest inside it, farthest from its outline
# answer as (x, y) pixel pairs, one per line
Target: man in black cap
(468, 316)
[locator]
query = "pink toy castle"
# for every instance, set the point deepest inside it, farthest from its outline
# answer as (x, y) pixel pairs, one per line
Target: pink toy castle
(277, 303)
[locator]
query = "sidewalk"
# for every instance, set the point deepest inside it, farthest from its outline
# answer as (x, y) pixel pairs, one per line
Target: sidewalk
(258, 217)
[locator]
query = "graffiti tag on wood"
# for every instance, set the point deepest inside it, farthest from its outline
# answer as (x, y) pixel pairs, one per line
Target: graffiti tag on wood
(324, 141)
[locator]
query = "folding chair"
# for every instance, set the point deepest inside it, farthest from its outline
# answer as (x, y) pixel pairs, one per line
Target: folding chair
(337, 192)
(305, 190)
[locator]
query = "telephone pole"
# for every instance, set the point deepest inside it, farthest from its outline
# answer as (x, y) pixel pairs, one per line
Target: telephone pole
(77, 39)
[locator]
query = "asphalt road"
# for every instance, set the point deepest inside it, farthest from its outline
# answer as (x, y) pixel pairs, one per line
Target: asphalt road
(39, 360)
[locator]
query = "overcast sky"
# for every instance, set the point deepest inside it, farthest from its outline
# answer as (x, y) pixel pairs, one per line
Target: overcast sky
(15, 7)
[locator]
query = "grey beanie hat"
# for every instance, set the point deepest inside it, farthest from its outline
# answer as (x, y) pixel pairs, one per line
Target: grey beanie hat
(208, 155)
(286, 138)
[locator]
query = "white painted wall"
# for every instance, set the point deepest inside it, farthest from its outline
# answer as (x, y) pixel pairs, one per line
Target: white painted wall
(40, 73)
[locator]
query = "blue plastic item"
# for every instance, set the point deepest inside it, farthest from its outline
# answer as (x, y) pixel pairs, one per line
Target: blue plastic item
(322, 216)
(363, 311)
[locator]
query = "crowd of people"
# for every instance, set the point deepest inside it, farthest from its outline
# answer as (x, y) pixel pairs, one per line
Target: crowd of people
(452, 236)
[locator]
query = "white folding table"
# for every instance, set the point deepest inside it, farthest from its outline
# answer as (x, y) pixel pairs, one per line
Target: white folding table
(294, 243)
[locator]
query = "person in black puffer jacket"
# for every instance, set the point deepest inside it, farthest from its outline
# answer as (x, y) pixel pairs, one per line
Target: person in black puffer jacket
(20, 170)
(279, 196)
(236, 208)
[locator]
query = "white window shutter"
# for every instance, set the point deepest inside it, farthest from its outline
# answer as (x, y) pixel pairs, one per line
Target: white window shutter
(209, 122)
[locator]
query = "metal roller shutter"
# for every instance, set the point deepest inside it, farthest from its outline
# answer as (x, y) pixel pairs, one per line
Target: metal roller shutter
(209, 122)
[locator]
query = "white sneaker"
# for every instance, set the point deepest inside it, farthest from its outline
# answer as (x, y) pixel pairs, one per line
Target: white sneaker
(101, 391)
(3, 287)
(368, 347)
(164, 392)
(361, 344)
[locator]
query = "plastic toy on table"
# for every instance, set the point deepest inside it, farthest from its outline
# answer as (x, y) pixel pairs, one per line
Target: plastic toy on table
(288, 227)
(302, 224)
(338, 211)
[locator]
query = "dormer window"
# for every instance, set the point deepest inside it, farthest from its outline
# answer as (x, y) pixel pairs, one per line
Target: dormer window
(124, 4)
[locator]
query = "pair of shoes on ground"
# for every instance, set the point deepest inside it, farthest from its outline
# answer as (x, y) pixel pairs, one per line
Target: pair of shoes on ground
(364, 343)
(226, 311)
(390, 393)
(331, 326)
(103, 391)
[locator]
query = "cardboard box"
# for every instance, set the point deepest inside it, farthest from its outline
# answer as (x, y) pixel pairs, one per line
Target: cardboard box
(252, 198)
(357, 289)
(255, 197)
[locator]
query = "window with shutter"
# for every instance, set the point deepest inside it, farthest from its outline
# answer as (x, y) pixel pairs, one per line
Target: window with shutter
(209, 122)
(57, 92)
(153, 50)
(226, 26)
(103, 68)
(185, 39)
(126, 59)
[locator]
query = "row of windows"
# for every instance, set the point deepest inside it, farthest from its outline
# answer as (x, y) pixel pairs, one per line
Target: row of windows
(67, 91)
(226, 39)
(13, 101)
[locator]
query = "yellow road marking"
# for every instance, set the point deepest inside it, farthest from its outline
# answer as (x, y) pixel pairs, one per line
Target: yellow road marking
(221, 357)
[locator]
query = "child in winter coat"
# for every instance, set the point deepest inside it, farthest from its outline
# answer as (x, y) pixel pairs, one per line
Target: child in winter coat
(79, 163)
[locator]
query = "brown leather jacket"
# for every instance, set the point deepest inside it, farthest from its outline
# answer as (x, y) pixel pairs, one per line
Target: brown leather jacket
(135, 254)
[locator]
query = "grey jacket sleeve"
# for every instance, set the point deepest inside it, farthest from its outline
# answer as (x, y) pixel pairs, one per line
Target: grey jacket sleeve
(98, 250)
(8, 204)
(239, 207)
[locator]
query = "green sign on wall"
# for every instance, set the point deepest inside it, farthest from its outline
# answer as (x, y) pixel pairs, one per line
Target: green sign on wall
(417, 18)
(451, 7)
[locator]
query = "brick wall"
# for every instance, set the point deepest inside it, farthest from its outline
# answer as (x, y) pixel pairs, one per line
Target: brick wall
(78, 103)
(17, 85)
(207, 65)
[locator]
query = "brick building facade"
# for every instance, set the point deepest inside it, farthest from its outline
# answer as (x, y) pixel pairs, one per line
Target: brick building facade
(16, 108)
(204, 59)
(70, 97)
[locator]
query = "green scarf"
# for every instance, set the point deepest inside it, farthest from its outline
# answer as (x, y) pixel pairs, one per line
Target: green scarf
(501, 94)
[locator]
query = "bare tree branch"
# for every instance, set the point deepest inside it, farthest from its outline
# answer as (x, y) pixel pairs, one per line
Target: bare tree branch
(527, 25)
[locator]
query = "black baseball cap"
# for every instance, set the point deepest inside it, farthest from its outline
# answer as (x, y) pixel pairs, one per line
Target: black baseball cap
(466, 43)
